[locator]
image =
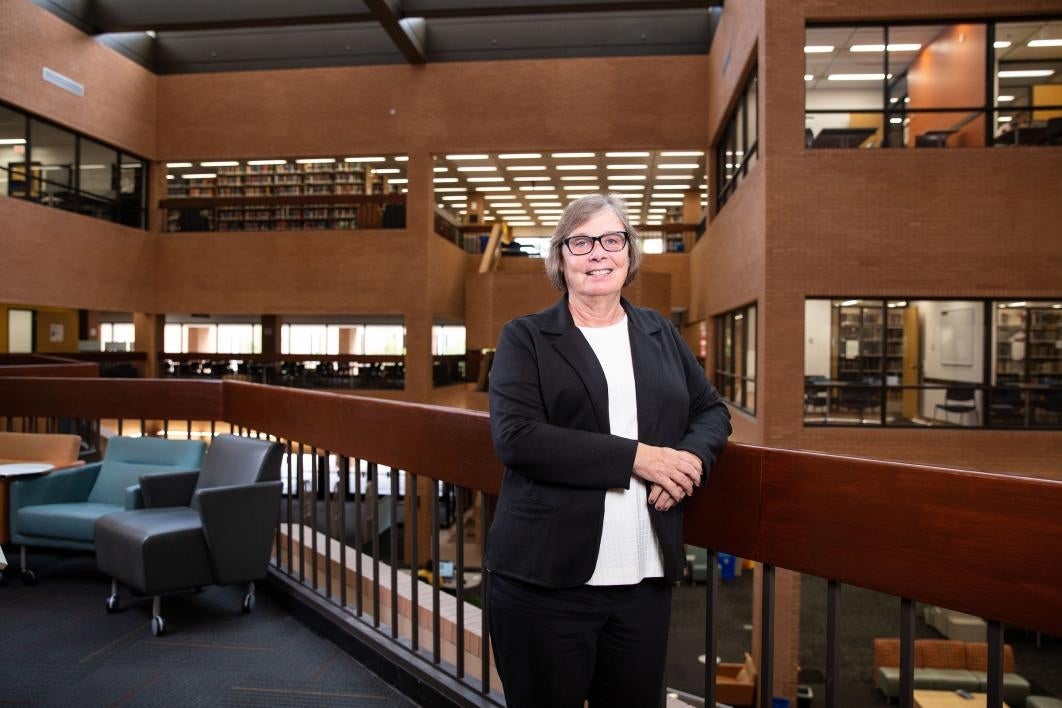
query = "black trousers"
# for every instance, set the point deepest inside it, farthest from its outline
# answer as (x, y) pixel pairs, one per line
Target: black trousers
(556, 648)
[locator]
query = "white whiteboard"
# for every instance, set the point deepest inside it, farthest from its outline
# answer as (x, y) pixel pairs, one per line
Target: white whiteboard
(956, 337)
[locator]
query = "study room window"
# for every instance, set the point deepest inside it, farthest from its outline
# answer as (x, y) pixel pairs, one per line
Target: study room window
(924, 85)
(737, 148)
(933, 363)
(735, 357)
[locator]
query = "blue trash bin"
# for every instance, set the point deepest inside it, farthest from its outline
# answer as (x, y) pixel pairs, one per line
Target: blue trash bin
(727, 566)
(777, 702)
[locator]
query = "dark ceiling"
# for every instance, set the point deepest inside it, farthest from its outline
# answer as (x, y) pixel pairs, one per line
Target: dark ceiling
(184, 36)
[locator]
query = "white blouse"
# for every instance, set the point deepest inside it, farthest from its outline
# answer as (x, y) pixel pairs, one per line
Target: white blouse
(629, 550)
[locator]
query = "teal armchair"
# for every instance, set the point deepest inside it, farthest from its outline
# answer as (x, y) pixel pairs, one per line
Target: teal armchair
(60, 510)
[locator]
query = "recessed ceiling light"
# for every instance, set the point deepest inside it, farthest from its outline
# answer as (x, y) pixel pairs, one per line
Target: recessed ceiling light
(519, 156)
(511, 211)
(200, 175)
(401, 180)
(443, 180)
(673, 187)
(525, 168)
(881, 47)
(579, 178)
(533, 197)
(664, 203)
(316, 160)
(1003, 98)
(455, 198)
(856, 77)
(629, 167)
(1025, 73)
(677, 166)
(366, 159)
(485, 179)
(505, 204)
(818, 49)
(809, 77)
(627, 187)
(666, 195)
(466, 157)
(577, 167)
(536, 188)
(387, 171)
(491, 197)
(168, 164)
(477, 168)
(536, 178)
(580, 187)
(564, 155)
(626, 154)
(489, 189)
(441, 169)
(674, 176)
(1000, 44)
(682, 153)
(451, 189)
(267, 162)
(1005, 119)
(220, 163)
(170, 177)
(628, 178)
(1044, 43)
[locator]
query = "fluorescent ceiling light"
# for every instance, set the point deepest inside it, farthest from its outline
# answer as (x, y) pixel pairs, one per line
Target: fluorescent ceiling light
(441, 169)
(855, 77)
(628, 178)
(537, 178)
(539, 197)
(477, 168)
(511, 211)
(665, 195)
(455, 198)
(662, 204)
(881, 47)
(809, 77)
(267, 162)
(466, 157)
(678, 166)
(451, 189)
(485, 179)
(580, 187)
(682, 153)
(525, 168)
(387, 171)
(521, 223)
(818, 49)
(1025, 73)
(627, 167)
(168, 164)
(444, 180)
(572, 154)
(1005, 119)
(1044, 43)
(505, 204)
(22, 141)
(490, 189)
(849, 303)
(519, 156)
(658, 211)
(1021, 303)
(665, 187)
(365, 159)
(1003, 98)
(576, 167)
(549, 211)
(402, 158)
(534, 188)
(402, 180)
(315, 160)
(627, 187)
(896, 121)
(674, 176)
(579, 178)
(170, 177)
(200, 175)
(626, 154)
(1000, 44)
(92, 167)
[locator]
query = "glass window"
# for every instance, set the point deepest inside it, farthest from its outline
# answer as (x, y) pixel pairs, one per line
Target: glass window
(117, 336)
(12, 151)
(735, 360)
(98, 171)
(447, 339)
(52, 158)
(132, 193)
(737, 147)
(923, 86)
(1027, 364)
(239, 338)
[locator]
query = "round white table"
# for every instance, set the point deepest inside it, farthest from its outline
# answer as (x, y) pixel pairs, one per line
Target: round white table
(21, 469)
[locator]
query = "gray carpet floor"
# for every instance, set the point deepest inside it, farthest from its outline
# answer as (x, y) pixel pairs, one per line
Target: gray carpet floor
(864, 615)
(59, 647)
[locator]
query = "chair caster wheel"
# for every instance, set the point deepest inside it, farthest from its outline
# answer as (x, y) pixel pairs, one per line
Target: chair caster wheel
(158, 626)
(29, 577)
(248, 603)
(112, 604)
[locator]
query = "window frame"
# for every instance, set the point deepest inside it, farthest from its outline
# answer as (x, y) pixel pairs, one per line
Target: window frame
(732, 382)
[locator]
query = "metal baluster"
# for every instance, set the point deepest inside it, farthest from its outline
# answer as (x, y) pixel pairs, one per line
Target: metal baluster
(313, 515)
(374, 509)
(484, 626)
(907, 629)
(359, 541)
(278, 543)
(302, 522)
(833, 627)
(189, 436)
(995, 664)
(119, 425)
(143, 427)
(766, 636)
(213, 432)
(711, 603)
(291, 525)
(326, 477)
(436, 646)
(393, 536)
(460, 578)
(414, 561)
(344, 481)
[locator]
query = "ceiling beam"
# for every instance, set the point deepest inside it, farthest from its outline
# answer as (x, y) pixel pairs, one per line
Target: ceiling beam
(567, 8)
(247, 23)
(409, 34)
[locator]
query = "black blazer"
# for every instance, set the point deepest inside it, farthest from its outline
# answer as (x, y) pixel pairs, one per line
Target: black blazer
(549, 420)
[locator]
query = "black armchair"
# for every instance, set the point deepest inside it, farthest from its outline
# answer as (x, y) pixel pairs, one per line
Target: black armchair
(214, 526)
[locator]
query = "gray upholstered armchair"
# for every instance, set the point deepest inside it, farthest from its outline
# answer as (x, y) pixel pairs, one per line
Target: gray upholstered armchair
(201, 528)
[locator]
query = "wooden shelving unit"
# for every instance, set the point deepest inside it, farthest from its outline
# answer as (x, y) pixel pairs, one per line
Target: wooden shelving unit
(1027, 340)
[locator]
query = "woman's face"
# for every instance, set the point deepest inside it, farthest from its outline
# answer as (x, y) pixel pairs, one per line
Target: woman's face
(599, 273)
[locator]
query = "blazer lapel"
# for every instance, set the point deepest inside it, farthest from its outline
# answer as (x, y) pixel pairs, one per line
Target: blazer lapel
(647, 357)
(574, 349)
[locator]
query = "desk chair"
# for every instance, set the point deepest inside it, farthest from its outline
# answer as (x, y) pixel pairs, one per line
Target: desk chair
(859, 397)
(1049, 402)
(816, 396)
(1005, 405)
(960, 400)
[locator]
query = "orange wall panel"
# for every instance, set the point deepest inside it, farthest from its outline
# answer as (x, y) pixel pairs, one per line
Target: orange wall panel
(949, 72)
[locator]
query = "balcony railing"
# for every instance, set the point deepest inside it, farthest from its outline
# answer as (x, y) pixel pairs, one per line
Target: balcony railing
(884, 526)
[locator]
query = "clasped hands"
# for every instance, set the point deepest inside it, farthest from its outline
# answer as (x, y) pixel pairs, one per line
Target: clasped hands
(673, 474)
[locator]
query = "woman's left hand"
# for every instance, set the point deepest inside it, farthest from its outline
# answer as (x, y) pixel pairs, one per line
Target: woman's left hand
(660, 499)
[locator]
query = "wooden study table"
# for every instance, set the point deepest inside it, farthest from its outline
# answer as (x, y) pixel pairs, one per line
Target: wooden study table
(950, 699)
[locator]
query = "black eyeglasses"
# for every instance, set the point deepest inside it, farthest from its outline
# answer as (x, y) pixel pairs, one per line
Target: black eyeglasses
(581, 245)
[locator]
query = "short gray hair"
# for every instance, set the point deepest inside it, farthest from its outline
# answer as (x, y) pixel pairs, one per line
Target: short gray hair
(578, 212)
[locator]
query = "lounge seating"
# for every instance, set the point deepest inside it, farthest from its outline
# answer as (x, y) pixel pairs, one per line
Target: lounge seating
(956, 625)
(213, 526)
(57, 450)
(946, 665)
(60, 509)
(1043, 702)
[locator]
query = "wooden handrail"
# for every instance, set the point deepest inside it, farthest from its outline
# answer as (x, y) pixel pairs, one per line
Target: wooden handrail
(982, 543)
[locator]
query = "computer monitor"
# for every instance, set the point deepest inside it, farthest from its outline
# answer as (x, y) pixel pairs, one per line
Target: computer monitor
(446, 569)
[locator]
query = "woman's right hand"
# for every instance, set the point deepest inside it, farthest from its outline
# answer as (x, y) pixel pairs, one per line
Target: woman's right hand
(676, 471)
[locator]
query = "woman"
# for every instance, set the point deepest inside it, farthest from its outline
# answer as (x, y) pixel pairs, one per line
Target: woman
(605, 423)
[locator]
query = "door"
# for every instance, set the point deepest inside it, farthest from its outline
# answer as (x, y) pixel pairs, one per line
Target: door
(912, 364)
(20, 331)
